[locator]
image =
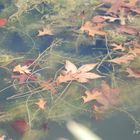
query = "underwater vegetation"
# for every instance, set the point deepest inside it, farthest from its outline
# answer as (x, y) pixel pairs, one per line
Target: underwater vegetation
(53, 69)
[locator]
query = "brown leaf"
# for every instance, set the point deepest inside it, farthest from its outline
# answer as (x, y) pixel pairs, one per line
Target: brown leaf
(106, 96)
(135, 50)
(98, 19)
(21, 69)
(117, 47)
(133, 72)
(123, 59)
(45, 31)
(127, 30)
(115, 7)
(131, 3)
(48, 85)
(93, 29)
(81, 74)
(22, 78)
(41, 103)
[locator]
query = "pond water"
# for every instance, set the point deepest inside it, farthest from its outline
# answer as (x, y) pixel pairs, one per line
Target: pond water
(69, 70)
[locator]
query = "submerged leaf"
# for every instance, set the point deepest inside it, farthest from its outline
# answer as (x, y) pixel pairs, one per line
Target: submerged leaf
(41, 103)
(21, 69)
(106, 96)
(93, 29)
(45, 31)
(123, 59)
(133, 72)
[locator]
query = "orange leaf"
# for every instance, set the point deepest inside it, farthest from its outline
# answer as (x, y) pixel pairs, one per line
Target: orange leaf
(127, 30)
(117, 47)
(105, 96)
(133, 72)
(48, 85)
(21, 69)
(123, 59)
(93, 29)
(41, 103)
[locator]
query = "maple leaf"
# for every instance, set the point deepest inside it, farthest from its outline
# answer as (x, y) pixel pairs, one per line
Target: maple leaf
(21, 69)
(80, 74)
(45, 31)
(41, 103)
(93, 29)
(48, 85)
(106, 96)
(123, 59)
(133, 72)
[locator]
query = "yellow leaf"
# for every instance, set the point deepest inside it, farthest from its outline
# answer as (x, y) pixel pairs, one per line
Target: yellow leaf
(21, 69)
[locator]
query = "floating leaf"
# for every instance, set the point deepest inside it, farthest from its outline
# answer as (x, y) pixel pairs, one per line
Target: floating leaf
(81, 74)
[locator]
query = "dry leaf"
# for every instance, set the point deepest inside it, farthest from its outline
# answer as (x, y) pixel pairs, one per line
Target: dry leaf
(131, 3)
(22, 78)
(105, 96)
(135, 50)
(127, 30)
(98, 19)
(133, 72)
(123, 59)
(48, 85)
(115, 7)
(22, 69)
(45, 31)
(93, 29)
(41, 103)
(80, 74)
(117, 47)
